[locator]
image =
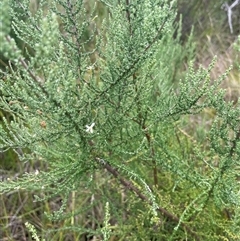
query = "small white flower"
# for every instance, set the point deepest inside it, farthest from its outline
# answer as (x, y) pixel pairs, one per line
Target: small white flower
(90, 128)
(90, 67)
(36, 172)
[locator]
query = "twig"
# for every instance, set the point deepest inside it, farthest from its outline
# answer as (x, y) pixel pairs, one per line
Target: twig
(128, 16)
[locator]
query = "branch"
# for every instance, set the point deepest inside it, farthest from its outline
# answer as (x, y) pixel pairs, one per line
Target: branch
(228, 8)
(25, 66)
(130, 186)
(40, 83)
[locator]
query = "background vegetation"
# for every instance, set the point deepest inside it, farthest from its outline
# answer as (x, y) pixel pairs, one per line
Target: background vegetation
(101, 206)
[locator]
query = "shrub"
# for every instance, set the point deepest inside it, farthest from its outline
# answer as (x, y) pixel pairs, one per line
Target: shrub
(102, 107)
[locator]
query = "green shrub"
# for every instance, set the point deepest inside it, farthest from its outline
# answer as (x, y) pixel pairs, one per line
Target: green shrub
(102, 107)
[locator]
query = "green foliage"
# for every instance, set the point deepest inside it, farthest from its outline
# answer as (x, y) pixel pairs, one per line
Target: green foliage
(104, 107)
(33, 231)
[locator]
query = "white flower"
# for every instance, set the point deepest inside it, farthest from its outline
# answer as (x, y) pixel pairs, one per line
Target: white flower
(90, 128)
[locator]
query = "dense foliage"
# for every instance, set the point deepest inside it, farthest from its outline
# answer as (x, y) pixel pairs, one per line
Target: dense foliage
(103, 107)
